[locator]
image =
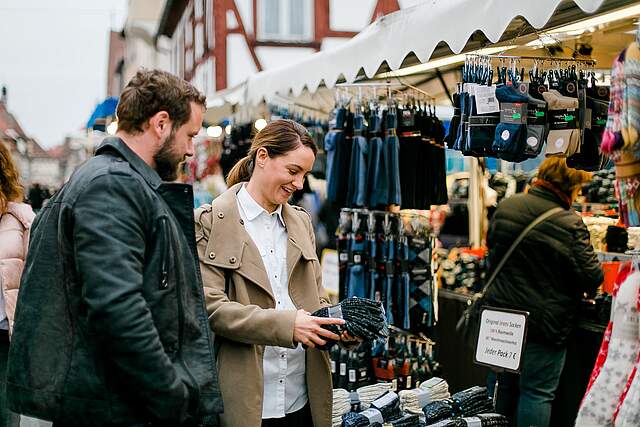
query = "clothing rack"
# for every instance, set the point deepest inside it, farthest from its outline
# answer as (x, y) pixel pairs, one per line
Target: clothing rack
(535, 58)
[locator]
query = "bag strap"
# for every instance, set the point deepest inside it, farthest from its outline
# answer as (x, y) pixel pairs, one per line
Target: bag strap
(519, 239)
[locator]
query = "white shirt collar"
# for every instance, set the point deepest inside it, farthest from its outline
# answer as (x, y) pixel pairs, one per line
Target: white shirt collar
(252, 209)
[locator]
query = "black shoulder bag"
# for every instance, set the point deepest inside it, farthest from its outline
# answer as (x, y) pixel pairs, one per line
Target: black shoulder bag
(467, 326)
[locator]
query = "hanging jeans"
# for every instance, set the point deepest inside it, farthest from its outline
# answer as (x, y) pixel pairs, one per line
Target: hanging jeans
(405, 282)
(392, 145)
(357, 192)
(389, 266)
(378, 172)
(356, 284)
(373, 272)
(333, 145)
(528, 397)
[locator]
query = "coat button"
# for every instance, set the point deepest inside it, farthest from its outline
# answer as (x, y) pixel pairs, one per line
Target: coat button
(220, 215)
(241, 222)
(232, 260)
(212, 255)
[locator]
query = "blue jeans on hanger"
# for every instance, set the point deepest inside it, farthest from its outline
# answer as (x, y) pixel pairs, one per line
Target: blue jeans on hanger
(332, 142)
(377, 171)
(528, 397)
(373, 273)
(357, 194)
(356, 287)
(390, 259)
(392, 144)
(405, 282)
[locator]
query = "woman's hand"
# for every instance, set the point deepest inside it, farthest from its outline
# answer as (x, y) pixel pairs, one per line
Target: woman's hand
(308, 329)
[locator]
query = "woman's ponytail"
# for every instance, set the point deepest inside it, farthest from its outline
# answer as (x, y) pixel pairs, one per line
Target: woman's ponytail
(278, 138)
(241, 172)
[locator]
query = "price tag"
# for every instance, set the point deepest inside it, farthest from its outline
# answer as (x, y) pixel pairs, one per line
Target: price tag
(486, 101)
(333, 367)
(352, 375)
(343, 369)
(501, 338)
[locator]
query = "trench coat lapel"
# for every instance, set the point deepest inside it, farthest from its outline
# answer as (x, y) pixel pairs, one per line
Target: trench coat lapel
(231, 247)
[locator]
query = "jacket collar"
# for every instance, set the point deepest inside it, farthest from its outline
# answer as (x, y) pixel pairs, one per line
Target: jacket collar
(547, 194)
(252, 209)
(117, 145)
(231, 247)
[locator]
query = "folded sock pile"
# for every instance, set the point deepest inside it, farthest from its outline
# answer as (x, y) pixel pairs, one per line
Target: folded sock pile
(437, 411)
(562, 141)
(407, 420)
(341, 405)
(364, 319)
(490, 420)
(370, 393)
(386, 407)
(434, 389)
(472, 401)
(450, 422)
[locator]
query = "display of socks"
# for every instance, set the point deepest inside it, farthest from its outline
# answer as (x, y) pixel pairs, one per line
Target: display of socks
(472, 401)
(436, 411)
(364, 319)
(341, 405)
(488, 420)
(370, 393)
(621, 350)
(450, 422)
(383, 409)
(412, 401)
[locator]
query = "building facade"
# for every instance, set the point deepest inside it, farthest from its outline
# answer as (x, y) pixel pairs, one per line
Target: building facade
(218, 44)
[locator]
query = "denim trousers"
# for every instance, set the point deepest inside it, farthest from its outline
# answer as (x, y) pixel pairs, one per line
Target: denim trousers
(357, 277)
(526, 399)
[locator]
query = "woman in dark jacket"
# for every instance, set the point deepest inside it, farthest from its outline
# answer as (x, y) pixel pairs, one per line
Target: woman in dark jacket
(547, 275)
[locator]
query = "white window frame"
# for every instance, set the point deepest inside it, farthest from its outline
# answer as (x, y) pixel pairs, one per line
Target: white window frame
(284, 33)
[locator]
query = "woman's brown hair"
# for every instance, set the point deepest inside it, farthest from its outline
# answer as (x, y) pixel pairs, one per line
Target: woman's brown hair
(10, 188)
(278, 138)
(555, 171)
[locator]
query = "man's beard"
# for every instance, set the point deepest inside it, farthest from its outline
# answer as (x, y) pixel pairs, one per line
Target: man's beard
(167, 162)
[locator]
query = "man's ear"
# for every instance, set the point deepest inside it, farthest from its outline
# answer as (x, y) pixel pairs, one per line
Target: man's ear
(160, 124)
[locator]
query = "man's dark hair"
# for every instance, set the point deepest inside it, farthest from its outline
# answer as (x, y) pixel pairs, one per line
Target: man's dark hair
(151, 91)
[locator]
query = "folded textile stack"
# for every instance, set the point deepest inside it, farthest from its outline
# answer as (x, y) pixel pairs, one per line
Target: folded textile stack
(371, 392)
(434, 389)
(341, 405)
(383, 409)
(437, 411)
(449, 422)
(490, 420)
(364, 319)
(408, 420)
(472, 401)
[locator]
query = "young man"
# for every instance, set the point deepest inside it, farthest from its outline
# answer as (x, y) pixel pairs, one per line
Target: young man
(110, 327)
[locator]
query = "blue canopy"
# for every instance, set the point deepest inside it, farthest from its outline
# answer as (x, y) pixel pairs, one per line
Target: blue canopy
(105, 109)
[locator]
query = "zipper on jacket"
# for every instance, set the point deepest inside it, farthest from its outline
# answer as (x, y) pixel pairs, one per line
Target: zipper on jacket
(194, 392)
(164, 273)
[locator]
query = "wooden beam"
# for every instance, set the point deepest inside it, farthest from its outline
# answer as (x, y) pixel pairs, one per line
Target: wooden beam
(252, 51)
(384, 7)
(269, 43)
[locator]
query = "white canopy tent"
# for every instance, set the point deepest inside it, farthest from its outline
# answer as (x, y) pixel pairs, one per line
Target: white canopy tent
(414, 33)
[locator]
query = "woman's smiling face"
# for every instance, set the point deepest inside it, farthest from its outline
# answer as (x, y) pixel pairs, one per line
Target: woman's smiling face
(282, 175)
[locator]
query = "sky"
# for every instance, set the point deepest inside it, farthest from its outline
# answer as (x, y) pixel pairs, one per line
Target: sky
(53, 60)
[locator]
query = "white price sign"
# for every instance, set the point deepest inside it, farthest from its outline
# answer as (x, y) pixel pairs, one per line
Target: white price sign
(501, 338)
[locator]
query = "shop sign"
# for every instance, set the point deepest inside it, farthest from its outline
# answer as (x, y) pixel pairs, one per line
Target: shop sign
(501, 338)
